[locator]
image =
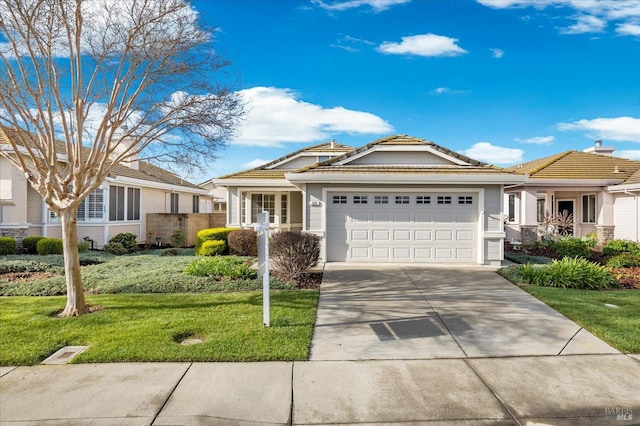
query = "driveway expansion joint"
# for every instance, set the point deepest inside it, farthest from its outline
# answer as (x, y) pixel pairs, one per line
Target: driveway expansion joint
(164, 403)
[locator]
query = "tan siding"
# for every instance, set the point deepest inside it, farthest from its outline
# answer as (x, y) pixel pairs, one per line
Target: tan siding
(34, 206)
(492, 211)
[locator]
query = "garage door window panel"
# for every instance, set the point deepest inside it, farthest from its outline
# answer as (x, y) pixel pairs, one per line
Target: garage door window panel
(423, 199)
(402, 199)
(360, 199)
(444, 199)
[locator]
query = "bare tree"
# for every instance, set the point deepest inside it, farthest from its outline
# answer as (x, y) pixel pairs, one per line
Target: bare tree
(88, 84)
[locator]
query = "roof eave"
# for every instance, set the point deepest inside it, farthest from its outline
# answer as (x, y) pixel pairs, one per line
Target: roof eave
(470, 178)
(252, 182)
(632, 187)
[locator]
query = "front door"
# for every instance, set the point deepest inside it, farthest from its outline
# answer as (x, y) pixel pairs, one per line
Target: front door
(566, 218)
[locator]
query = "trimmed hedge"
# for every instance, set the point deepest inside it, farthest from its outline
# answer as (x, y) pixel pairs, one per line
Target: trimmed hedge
(230, 267)
(243, 242)
(212, 248)
(115, 248)
(208, 234)
(7, 246)
(128, 241)
(30, 244)
(49, 246)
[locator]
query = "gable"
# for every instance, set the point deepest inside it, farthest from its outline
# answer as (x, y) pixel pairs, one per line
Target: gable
(402, 158)
(303, 161)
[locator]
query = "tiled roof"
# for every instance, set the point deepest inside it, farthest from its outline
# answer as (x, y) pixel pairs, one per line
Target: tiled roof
(473, 166)
(402, 169)
(263, 171)
(578, 165)
(634, 178)
(146, 171)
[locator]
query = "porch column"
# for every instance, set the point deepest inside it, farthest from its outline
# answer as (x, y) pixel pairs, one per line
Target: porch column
(604, 221)
(528, 215)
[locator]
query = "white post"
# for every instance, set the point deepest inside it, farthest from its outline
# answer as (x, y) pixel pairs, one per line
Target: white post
(262, 228)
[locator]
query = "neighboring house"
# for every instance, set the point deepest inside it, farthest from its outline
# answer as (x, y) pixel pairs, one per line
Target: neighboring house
(397, 199)
(599, 190)
(120, 204)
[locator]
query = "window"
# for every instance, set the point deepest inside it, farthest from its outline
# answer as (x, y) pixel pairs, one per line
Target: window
(133, 204)
(195, 204)
(323, 158)
(540, 210)
(402, 199)
(116, 202)
(284, 201)
(589, 208)
(263, 202)
(360, 199)
(512, 208)
(175, 203)
(444, 199)
(118, 205)
(339, 199)
(381, 199)
(423, 199)
(466, 199)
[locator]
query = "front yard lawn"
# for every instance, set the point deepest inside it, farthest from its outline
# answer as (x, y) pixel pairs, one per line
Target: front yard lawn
(151, 327)
(619, 326)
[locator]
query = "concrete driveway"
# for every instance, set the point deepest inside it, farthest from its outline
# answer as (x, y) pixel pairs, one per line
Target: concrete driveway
(422, 312)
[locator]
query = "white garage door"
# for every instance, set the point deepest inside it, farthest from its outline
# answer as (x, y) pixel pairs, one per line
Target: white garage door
(428, 227)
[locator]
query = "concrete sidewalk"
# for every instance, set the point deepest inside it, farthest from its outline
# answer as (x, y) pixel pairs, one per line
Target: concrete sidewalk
(550, 390)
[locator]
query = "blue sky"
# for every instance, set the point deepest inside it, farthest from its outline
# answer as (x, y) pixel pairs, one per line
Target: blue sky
(502, 81)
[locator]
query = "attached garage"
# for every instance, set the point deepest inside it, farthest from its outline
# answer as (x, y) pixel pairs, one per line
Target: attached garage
(425, 227)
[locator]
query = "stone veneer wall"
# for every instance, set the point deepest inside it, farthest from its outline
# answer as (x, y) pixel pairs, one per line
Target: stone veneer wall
(529, 233)
(17, 233)
(605, 233)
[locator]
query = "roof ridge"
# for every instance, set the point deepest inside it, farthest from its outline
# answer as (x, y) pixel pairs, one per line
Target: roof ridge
(554, 158)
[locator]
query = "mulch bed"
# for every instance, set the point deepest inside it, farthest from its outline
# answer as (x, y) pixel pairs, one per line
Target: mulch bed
(629, 278)
(13, 277)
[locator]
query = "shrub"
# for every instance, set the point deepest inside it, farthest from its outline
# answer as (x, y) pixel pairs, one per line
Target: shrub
(49, 246)
(624, 260)
(572, 247)
(127, 240)
(29, 244)
(7, 246)
(83, 246)
(294, 253)
(115, 248)
(170, 252)
(211, 234)
(230, 267)
(212, 248)
(178, 238)
(243, 242)
(569, 272)
(614, 247)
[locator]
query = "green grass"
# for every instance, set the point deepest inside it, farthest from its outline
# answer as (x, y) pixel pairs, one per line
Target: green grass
(149, 327)
(620, 327)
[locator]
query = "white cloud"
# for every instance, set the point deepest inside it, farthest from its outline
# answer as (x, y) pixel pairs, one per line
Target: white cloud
(586, 24)
(625, 129)
(276, 116)
(485, 151)
(632, 154)
(538, 140)
(446, 90)
(351, 44)
(254, 163)
(376, 5)
(497, 53)
(591, 16)
(628, 29)
(423, 45)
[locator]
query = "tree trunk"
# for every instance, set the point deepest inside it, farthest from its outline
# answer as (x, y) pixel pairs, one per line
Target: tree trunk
(76, 304)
